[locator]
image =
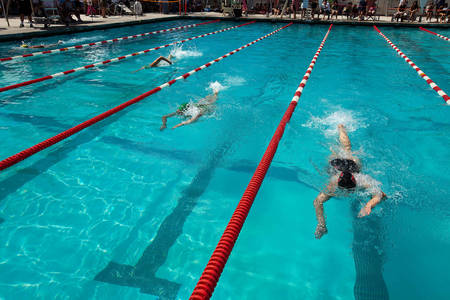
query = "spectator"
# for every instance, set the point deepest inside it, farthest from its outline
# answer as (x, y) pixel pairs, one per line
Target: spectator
(413, 10)
(25, 10)
(443, 12)
(372, 9)
(362, 9)
(102, 4)
(354, 11)
(334, 9)
(326, 9)
(295, 7)
(429, 10)
(90, 11)
(314, 8)
(401, 12)
(76, 9)
(348, 10)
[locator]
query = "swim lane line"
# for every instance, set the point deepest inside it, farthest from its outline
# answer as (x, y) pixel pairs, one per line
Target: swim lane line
(434, 33)
(433, 85)
(14, 159)
(101, 63)
(84, 46)
(208, 281)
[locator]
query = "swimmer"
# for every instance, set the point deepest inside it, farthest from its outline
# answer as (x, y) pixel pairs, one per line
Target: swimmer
(25, 45)
(156, 62)
(343, 178)
(192, 110)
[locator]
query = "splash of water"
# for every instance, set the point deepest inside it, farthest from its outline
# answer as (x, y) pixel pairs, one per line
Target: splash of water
(328, 124)
(216, 86)
(178, 52)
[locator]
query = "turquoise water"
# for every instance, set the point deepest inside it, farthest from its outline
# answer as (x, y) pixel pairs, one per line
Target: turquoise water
(124, 211)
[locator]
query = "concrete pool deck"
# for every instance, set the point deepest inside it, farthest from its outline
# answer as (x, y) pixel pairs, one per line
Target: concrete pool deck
(14, 32)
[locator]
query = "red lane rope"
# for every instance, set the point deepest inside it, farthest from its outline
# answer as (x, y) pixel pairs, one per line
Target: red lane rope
(208, 281)
(120, 58)
(12, 160)
(434, 33)
(84, 46)
(433, 85)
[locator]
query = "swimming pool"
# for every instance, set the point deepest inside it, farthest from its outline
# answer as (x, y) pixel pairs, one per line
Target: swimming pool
(122, 210)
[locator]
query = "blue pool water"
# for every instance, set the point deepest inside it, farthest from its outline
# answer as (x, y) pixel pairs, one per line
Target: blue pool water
(122, 210)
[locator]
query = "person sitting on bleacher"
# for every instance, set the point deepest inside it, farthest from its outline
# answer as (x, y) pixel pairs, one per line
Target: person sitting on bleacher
(362, 9)
(334, 9)
(400, 13)
(348, 10)
(443, 13)
(413, 11)
(372, 9)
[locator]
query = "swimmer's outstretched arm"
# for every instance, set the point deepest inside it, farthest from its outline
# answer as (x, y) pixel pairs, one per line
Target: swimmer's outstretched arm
(367, 209)
(156, 62)
(343, 138)
(191, 120)
(164, 120)
(323, 197)
(210, 99)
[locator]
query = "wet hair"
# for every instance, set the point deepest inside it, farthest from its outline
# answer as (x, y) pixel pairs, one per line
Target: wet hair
(346, 180)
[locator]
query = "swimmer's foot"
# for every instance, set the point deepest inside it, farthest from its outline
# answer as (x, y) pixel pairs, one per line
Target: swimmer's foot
(320, 231)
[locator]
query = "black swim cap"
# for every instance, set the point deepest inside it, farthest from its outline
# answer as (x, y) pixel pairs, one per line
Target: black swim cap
(346, 180)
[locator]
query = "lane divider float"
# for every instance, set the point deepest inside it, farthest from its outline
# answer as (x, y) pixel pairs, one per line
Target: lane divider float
(434, 33)
(14, 159)
(433, 85)
(120, 58)
(208, 281)
(84, 46)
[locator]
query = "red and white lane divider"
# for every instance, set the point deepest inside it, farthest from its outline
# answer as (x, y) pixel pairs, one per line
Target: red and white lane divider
(208, 281)
(84, 46)
(433, 85)
(434, 33)
(12, 160)
(101, 63)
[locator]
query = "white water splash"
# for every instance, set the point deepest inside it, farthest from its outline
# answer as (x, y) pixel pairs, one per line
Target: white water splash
(216, 86)
(192, 109)
(328, 124)
(178, 52)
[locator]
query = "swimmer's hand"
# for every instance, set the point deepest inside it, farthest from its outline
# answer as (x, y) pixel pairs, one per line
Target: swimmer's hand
(320, 231)
(163, 126)
(365, 211)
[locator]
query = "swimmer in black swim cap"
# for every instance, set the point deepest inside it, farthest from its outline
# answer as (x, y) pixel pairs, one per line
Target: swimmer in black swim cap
(343, 176)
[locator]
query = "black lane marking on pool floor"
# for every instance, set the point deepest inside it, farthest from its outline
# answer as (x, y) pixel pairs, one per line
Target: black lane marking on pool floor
(142, 275)
(367, 250)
